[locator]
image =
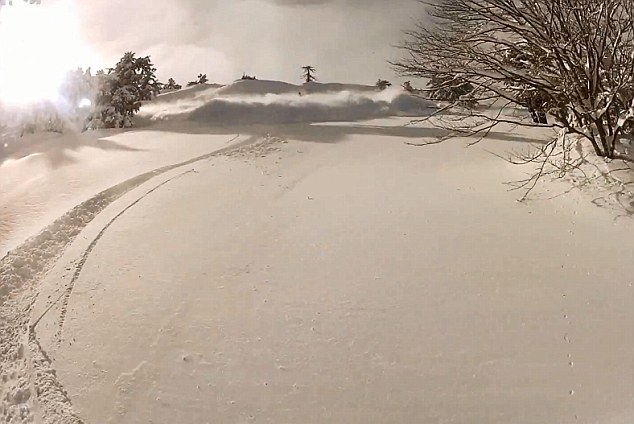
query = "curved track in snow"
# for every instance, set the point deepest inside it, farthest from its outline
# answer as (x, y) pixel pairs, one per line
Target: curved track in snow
(30, 389)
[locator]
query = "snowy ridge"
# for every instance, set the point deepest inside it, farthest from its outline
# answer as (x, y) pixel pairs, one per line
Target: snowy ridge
(257, 102)
(258, 87)
(187, 92)
(333, 87)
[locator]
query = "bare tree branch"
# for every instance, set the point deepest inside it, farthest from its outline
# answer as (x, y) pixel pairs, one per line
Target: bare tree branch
(571, 59)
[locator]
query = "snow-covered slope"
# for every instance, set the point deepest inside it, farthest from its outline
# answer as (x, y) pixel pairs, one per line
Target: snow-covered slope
(187, 92)
(331, 87)
(257, 87)
(201, 267)
(271, 102)
(45, 175)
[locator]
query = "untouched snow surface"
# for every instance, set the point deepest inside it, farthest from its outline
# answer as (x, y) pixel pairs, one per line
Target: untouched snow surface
(208, 270)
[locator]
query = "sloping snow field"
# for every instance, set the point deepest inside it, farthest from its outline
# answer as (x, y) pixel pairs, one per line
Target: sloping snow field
(277, 266)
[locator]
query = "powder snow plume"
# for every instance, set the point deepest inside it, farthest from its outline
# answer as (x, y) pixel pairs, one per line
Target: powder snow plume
(270, 102)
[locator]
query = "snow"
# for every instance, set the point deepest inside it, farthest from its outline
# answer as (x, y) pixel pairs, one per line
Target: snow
(187, 92)
(269, 102)
(258, 87)
(317, 87)
(243, 257)
(48, 175)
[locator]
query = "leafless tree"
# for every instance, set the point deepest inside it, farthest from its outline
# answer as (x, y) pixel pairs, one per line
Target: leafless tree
(572, 59)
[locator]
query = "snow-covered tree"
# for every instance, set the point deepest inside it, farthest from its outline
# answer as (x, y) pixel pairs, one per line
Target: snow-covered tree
(172, 85)
(144, 78)
(447, 87)
(104, 114)
(382, 84)
(578, 60)
(77, 94)
(534, 99)
(201, 79)
(407, 86)
(121, 90)
(309, 73)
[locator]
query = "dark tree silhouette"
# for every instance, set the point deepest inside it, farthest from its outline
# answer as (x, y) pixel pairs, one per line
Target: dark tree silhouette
(407, 86)
(202, 79)
(171, 85)
(383, 84)
(309, 73)
(448, 87)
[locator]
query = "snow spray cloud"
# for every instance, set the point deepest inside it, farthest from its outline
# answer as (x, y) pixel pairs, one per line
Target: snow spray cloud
(213, 107)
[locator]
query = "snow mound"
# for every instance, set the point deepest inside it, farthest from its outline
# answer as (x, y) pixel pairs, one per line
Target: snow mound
(271, 102)
(258, 87)
(331, 87)
(188, 92)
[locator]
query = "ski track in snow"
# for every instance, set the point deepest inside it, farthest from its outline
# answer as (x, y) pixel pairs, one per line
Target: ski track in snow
(84, 257)
(30, 390)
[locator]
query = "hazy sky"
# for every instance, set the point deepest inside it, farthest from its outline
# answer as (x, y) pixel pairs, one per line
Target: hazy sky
(346, 40)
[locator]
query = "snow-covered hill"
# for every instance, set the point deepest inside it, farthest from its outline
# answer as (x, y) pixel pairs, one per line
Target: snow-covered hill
(263, 252)
(45, 174)
(271, 102)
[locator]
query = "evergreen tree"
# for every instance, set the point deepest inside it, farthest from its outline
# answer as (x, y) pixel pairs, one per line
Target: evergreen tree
(382, 84)
(201, 79)
(121, 91)
(446, 87)
(538, 102)
(104, 113)
(171, 85)
(309, 73)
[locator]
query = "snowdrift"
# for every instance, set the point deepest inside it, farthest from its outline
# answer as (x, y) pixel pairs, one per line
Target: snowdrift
(317, 87)
(188, 92)
(258, 87)
(272, 102)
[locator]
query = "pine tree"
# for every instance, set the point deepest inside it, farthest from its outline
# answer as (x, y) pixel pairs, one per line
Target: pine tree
(103, 114)
(382, 84)
(201, 79)
(121, 91)
(171, 85)
(535, 100)
(446, 87)
(309, 73)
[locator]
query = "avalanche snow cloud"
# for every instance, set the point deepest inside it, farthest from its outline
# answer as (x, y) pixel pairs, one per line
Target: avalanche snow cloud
(272, 102)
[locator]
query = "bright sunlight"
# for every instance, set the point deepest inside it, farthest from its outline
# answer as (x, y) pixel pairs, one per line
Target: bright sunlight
(38, 45)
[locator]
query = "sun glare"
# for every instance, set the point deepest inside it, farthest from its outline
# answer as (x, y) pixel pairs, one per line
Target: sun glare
(38, 45)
